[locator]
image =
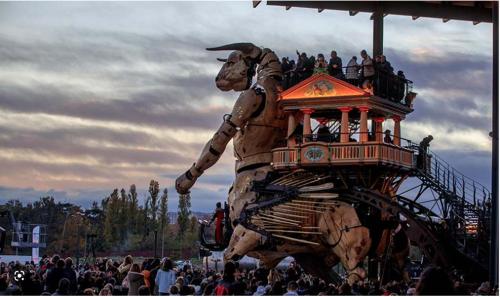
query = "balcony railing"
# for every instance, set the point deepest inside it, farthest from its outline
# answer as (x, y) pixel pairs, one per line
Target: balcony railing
(327, 154)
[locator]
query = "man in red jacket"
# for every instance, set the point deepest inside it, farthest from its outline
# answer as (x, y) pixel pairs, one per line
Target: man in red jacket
(218, 218)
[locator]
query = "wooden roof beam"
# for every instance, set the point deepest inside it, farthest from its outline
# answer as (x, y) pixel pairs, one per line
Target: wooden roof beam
(408, 8)
(353, 12)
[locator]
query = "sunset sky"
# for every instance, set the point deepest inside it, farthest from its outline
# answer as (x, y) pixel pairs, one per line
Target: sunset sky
(96, 96)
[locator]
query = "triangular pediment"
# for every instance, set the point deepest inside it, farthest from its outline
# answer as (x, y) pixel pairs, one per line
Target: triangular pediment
(322, 85)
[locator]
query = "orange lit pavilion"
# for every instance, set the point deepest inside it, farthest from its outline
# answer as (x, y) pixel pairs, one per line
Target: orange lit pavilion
(345, 110)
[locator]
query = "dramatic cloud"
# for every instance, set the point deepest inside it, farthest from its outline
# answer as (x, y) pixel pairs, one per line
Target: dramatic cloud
(100, 96)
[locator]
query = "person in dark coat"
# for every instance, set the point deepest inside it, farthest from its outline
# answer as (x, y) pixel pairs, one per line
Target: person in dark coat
(335, 66)
(54, 276)
(70, 274)
(62, 287)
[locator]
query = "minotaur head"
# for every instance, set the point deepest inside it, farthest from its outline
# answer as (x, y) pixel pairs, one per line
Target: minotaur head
(239, 68)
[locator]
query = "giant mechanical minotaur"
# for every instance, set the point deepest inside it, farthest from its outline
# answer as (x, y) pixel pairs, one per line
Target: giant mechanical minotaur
(256, 126)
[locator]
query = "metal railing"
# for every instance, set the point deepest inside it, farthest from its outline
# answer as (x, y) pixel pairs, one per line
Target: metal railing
(319, 151)
(463, 187)
(385, 85)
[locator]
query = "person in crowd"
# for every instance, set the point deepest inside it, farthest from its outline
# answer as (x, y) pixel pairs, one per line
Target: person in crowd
(143, 291)
(352, 71)
(134, 279)
(367, 71)
(54, 275)
(434, 281)
(63, 289)
(88, 292)
(218, 217)
(225, 286)
(153, 268)
(106, 291)
(335, 66)
(320, 66)
(165, 277)
(70, 274)
(174, 291)
(124, 268)
(291, 289)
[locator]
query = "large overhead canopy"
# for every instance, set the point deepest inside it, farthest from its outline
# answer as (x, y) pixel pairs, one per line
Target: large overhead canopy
(474, 11)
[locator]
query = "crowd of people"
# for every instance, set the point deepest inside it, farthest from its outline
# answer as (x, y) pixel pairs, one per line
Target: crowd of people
(376, 75)
(59, 277)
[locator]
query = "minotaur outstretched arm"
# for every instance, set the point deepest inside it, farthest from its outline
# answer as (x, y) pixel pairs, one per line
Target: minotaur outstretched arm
(245, 106)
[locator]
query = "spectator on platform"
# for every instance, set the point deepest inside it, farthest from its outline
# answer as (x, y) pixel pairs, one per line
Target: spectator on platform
(384, 74)
(335, 66)
(324, 133)
(320, 66)
(399, 86)
(367, 71)
(309, 67)
(286, 68)
(387, 136)
(352, 71)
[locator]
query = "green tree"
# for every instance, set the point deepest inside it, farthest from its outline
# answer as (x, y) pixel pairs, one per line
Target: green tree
(164, 220)
(183, 214)
(154, 190)
(111, 221)
(133, 212)
(124, 218)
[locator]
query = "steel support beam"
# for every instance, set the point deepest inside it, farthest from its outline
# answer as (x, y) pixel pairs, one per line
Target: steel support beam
(378, 32)
(494, 159)
(409, 8)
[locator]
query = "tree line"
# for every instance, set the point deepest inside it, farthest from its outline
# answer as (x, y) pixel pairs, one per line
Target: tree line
(118, 224)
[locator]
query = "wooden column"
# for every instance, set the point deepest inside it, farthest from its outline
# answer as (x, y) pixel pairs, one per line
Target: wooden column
(363, 128)
(397, 130)
(291, 128)
(307, 122)
(379, 137)
(344, 124)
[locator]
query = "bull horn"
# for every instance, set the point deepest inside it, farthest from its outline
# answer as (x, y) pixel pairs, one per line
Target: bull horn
(221, 60)
(247, 48)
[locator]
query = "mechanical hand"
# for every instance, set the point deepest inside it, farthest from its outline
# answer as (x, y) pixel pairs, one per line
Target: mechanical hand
(184, 182)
